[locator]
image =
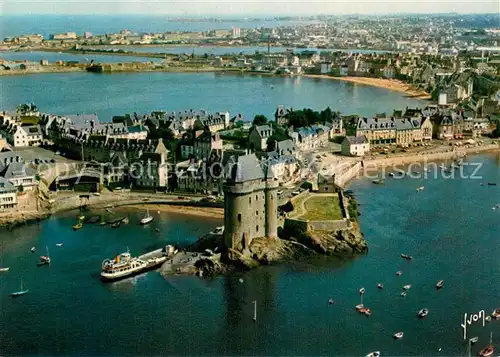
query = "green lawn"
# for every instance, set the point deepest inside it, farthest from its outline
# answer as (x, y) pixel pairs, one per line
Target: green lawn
(322, 208)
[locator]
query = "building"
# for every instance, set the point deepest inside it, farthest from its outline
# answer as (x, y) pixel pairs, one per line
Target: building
(16, 172)
(258, 137)
(235, 32)
(250, 202)
(326, 67)
(388, 72)
(8, 195)
(27, 136)
(64, 36)
(426, 128)
(355, 146)
(205, 143)
(281, 115)
(153, 169)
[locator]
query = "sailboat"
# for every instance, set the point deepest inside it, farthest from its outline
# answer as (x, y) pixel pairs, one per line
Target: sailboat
(254, 310)
(20, 292)
(45, 259)
(488, 350)
(147, 218)
(4, 269)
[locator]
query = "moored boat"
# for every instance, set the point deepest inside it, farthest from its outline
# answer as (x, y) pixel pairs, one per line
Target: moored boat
(421, 188)
(373, 354)
(423, 313)
(359, 307)
(59, 244)
(407, 287)
(77, 226)
(398, 335)
(496, 313)
(116, 224)
(403, 294)
(399, 273)
(5, 269)
(125, 220)
(488, 350)
(45, 259)
(147, 218)
(20, 292)
(362, 291)
(406, 256)
(474, 340)
(124, 265)
(33, 249)
(380, 285)
(439, 284)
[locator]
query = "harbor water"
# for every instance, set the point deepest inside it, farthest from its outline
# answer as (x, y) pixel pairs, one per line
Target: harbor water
(449, 228)
(120, 93)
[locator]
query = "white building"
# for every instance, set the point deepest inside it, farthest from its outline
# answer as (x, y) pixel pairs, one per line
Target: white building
(326, 67)
(355, 146)
(235, 32)
(27, 136)
(8, 195)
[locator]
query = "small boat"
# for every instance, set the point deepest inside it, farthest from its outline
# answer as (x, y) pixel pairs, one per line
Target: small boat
(407, 287)
(474, 340)
(391, 174)
(33, 249)
(147, 218)
(495, 314)
(421, 188)
(373, 354)
(406, 256)
(59, 244)
(45, 259)
(380, 285)
(399, 273)
(330, 301)
(488, 350)
(492, 183)
(378, 182)
(367, 312)
(125, 220)
(359, 307)
(5, 269)
(20, 292)
(423, 313)
(157, 229)
(487, 318)
(439, 284)
(81, 218)
(398, 335)
(158, 212)
(403, 294)
(116, 224)
(77, 226)
(362, 291)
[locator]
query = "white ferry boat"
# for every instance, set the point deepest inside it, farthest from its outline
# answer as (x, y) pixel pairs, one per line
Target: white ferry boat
(122, 266)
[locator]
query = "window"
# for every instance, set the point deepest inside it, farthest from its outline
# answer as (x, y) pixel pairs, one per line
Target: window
(256, 197)
(250, 200)
(239, 217)
(257, 228)
(256, 213)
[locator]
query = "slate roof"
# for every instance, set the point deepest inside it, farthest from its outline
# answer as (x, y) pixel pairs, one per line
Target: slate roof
(376, 123)
(352, 140)
(285, 147)
(17, 170)
(83, 120)
(246, 168)
(32, 130)
(6, 186)
(263, 130)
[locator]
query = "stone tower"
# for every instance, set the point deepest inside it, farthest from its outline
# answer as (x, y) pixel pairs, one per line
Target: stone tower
(250, 202)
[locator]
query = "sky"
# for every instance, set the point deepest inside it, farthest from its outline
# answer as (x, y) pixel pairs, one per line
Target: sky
(245, 7)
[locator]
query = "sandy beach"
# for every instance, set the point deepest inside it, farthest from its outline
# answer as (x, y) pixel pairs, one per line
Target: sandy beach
(187, 210)
(390, 84)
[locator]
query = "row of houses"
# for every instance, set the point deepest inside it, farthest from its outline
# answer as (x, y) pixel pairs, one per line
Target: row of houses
(16, 177)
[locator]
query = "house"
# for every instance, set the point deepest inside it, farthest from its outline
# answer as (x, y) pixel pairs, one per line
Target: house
(14, 169)
(326, 67)
(205, 143)
(388, 72)
(355, 146)
(344, 70)
(408, 131)
(153, 169)
(281, 115)
(285, 147)
(27, 136)
(377, 130)
(8, 195)
(258, 137)
(337, 128)
(283, 168)
(426, 128)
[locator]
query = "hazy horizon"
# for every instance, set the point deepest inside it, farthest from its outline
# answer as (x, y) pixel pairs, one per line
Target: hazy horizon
(225, 8)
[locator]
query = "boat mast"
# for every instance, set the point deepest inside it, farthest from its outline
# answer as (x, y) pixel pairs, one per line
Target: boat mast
(254, 310)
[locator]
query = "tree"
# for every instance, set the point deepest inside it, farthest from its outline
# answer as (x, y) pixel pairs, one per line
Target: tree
(279, 134)
(259, 119)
